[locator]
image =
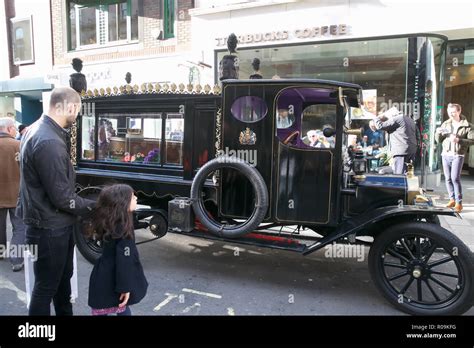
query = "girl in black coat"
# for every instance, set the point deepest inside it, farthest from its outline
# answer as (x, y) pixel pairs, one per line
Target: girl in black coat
(117, 280)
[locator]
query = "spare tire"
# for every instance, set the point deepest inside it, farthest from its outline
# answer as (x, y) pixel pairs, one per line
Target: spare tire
(260, 191)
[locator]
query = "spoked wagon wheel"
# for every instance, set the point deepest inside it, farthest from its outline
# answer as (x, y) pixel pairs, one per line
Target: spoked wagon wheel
(90, 248)
(423, 269)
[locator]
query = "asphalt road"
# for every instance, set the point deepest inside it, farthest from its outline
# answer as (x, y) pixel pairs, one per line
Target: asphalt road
(190, 276)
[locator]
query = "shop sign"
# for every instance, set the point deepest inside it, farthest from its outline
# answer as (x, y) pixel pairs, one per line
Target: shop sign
(306, 33)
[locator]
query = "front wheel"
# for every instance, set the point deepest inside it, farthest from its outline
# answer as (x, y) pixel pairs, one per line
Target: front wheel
(423, 269)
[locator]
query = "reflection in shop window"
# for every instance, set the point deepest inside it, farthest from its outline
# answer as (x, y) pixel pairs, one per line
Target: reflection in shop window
(174, 138)
(22, 41)
(88, 137)
(92, 22)
(316, 118)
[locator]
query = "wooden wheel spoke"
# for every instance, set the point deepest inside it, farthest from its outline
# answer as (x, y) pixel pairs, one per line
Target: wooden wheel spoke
(398, 275)
(407, 285)
(431, 289)
(402, 241)
(440, 262)
(443, 285)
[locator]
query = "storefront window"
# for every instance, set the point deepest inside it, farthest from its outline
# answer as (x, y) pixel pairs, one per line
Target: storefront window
(403, 72)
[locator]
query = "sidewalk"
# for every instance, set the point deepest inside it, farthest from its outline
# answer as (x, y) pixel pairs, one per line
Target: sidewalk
(463, 228)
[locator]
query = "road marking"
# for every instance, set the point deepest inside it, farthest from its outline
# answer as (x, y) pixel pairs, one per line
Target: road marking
(7, 284)
(187, 309)
(230, 311)
(165, 301)
(202, 293)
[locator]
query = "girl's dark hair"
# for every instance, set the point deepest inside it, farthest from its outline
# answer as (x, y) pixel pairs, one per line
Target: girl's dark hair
(112, 218)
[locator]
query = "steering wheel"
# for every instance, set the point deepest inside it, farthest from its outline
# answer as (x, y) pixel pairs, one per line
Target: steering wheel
(290, 137)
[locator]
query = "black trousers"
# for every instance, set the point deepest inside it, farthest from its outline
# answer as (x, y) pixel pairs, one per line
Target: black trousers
(53, 269)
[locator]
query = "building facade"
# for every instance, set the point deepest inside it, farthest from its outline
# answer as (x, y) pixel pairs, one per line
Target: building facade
(150, 39)
(25, 30)
(398, 51)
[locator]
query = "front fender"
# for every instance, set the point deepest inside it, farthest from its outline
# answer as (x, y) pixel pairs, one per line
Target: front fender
(359, 222)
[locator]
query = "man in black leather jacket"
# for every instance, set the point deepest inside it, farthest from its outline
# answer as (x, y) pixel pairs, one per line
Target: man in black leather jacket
(48, 203)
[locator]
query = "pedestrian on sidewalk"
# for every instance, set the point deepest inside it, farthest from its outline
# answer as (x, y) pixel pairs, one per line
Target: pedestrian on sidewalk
(48, 202)
(117, 280)
(456, 135)
(10, 184)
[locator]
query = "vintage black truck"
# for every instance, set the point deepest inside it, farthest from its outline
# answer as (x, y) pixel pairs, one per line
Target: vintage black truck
(241, 155)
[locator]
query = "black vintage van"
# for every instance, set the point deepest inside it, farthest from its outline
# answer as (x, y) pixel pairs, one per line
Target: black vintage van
(255, 156)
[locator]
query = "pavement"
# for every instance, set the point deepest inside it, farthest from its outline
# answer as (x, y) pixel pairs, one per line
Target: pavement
(464, 227)
(190, 276)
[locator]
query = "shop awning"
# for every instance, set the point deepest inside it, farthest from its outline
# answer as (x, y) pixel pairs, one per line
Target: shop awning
(24, 84)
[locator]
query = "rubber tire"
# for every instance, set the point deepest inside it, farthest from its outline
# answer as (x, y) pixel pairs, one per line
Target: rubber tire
(443, 237)
(260, 190)
(81, 241)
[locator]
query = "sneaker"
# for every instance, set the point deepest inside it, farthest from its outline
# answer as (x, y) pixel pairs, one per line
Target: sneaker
(451, 203)
(18, 267)
(458, 207)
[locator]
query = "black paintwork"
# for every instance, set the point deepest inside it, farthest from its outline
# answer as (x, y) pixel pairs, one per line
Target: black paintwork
(305, 184)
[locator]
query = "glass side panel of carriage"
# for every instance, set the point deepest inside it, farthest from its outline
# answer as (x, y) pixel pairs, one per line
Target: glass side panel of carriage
(302, 114)
(249, 109)
(134, 138)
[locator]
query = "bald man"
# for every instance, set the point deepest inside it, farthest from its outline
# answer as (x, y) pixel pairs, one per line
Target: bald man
(48, 203)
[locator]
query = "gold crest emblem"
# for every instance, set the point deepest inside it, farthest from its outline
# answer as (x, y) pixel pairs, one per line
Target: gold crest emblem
(247, 137)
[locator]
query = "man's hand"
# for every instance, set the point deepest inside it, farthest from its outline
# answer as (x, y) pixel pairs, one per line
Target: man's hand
(124, 296)
(453, 138)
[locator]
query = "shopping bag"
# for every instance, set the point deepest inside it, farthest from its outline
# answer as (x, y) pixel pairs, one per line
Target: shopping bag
(30, 277)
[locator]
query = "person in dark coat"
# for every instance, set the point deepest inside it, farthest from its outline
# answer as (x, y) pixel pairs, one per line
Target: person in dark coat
(117, 280)
(48, 203)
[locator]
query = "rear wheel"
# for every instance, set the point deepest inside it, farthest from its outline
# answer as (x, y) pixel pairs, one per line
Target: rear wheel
(423, 269)
(90, 248)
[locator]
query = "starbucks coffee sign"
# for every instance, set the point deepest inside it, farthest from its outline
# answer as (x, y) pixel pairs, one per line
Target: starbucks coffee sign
(281, 35)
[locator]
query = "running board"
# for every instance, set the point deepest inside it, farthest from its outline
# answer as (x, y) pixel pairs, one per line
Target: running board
(253, 238)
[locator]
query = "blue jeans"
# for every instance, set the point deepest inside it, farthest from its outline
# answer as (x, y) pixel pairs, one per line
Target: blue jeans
(53, 269)
(452, 166)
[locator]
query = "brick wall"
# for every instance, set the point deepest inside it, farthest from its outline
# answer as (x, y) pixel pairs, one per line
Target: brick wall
(184, 22)
(151, 22)
(56, 27)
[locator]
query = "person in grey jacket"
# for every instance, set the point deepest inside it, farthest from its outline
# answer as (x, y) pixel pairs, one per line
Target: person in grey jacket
(48, 203)
(402, 133)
